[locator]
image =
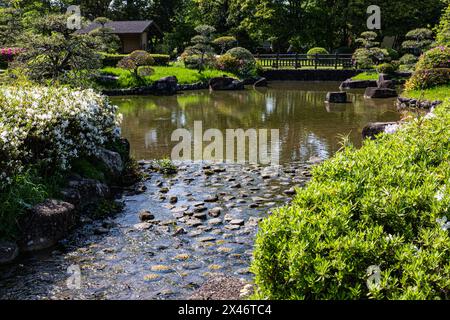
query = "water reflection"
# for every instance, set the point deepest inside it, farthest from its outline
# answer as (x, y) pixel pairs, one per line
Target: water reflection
(308, 126)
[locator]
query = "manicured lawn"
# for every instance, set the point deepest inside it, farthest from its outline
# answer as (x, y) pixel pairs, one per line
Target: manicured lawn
(366, 76)
(184, 76)
(437, 93)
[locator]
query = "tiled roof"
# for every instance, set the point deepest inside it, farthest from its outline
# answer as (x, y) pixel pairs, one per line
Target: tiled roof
(121, 27)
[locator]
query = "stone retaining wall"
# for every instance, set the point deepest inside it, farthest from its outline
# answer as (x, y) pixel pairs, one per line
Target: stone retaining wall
(309, 75)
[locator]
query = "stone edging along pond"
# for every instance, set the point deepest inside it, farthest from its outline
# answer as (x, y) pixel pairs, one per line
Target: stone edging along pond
(81, 201)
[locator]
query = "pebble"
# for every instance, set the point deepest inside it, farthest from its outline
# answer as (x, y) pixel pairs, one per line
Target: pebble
(173, 199)
(146, 215)
(206, 239)
(212, 198)
(215, 212)
(142, 226)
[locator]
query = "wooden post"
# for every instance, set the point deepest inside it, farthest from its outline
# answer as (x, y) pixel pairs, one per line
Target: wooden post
(336, 61)
(278, 60)
(316, 61)
(296, 61)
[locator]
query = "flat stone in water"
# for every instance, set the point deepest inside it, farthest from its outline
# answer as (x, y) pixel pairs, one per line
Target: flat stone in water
(161, 268)
(232, 227)
(200, 215)
(215, 221)
(239, 222)
(206, 239)
(142, 226)
(194, 222)
(215, 212)
(212, 198)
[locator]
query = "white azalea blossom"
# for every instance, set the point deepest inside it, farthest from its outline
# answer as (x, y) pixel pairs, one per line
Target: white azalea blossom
(52, 125)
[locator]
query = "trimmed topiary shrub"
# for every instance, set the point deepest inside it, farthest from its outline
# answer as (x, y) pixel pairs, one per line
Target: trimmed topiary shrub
(408, 59)
(317, 50)
(228, 63)
(247, 63)
(372, 223)
(135, 60)
(386, 68)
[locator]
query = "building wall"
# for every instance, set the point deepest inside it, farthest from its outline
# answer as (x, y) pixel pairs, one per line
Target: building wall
(131, 42)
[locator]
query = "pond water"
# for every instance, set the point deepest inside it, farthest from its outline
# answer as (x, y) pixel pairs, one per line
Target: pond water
(308, 126)
(209, 228)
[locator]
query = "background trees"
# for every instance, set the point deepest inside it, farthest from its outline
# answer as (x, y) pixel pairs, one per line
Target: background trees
(299, 24)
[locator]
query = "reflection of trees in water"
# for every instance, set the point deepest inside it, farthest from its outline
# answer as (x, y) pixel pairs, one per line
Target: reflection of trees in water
(306, 127)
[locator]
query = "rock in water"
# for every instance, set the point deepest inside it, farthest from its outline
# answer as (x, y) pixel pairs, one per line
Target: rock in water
(8, 252)
(380, 93)
(373, 129)
(225, 83)
(336, 97)
(46, 224)
(145, 215)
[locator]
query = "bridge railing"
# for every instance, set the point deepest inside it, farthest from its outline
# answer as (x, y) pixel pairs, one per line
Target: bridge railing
(307, 61)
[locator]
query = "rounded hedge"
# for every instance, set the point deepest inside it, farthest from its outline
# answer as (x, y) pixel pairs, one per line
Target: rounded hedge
(424, 79)
(372, 223)
(242, 54)
(438, 57)
(386, 68)
(317, 50)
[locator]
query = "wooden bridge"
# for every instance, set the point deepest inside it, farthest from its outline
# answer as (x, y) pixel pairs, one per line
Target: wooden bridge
(305, 61)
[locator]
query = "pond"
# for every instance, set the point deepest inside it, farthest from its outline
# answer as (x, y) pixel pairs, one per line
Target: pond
(206, 215)
(308, 126)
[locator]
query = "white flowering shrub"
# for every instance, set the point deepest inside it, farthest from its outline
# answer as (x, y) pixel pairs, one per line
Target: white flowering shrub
(52, 126)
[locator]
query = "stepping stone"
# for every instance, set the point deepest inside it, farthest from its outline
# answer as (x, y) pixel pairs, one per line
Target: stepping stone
(212, 198)
(290, 192)
(232, 227)
(161, 268)
(173, 199)
(215, 212)
(194, 222)
(239, 222)
(215, 221)
(142, 226)
(206, 239)
(200, 215)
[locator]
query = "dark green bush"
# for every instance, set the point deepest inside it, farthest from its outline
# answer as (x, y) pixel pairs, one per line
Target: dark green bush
(438, 57)
(383, 206)
(111, 60)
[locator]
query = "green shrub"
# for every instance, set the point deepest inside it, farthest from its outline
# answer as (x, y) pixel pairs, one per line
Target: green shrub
(383, 207)
(393, 54)
(228, 63)
(386, 68)
(246, 60)
(424, 79)
(438, 57)
(317, 50)
(408, 59)
(111, 60)
(443, 29)
(225, 42)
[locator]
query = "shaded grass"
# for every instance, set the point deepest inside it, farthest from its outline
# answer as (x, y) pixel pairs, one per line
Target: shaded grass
(184, 76)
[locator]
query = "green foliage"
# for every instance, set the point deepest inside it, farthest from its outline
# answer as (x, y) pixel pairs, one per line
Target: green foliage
(112, 60)
(225, 43)
(418, 40)
(166, 166)
(136, 60)
(386, 68)
(408, 59)
(428, 78)
(437, 93)
(383, 205)
(25, 191)
(368, 40)
(393, 54)
(184, 76)
(443, 29)
(438, 57)
(368, 75)
(317, 50)
(228, 63)
(107, 41)
(201, 54)
(54, 54)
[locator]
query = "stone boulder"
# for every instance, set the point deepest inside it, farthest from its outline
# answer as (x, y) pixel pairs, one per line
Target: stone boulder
(112, 161)
(374, 128)
(8, 252)
(167, 85)
(225, 83)
(380, 93)
(46, 224)
(385, 81)
(261, 82)
(85, 192)
(336, 97)
(357, 84)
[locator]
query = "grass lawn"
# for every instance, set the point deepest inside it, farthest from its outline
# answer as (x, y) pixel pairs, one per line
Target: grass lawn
(436, 93)
(366, 76)
(184, 75)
